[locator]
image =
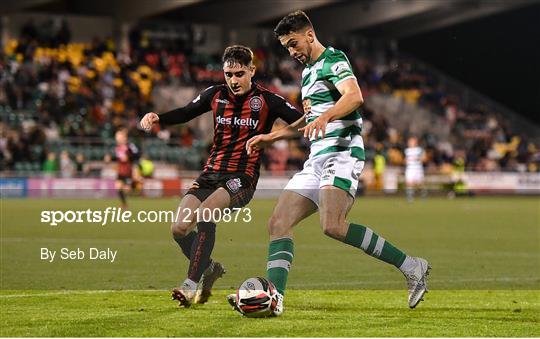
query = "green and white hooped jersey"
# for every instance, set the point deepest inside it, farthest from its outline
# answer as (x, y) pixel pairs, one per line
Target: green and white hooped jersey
(319, 93)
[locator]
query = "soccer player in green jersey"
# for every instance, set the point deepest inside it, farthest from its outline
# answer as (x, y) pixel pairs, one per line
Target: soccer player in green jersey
(331, 98)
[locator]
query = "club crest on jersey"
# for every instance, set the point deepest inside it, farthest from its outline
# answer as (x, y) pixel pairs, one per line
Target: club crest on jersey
(255, 103)
(234, 184)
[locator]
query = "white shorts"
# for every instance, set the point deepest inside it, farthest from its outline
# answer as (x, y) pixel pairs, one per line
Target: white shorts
(337, 169)
(413, 177)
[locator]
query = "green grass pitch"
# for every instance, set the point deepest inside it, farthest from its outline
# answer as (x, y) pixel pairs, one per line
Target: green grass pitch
(485, 281)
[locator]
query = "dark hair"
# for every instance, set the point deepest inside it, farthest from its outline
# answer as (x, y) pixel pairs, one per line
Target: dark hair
(238, 54)
(292, 22)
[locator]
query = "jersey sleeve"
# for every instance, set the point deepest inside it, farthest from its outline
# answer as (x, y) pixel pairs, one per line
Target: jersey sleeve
(280, 108)
(338, 68)
(201, 104)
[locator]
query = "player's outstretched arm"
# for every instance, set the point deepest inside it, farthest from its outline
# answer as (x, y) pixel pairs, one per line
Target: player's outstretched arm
(198, 106)
(263, 140)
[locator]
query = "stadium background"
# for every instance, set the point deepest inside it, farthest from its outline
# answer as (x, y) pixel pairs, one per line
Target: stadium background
(73, 72)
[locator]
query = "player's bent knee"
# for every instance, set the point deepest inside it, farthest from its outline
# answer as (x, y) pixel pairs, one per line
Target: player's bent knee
(333, 228)
(278, 227)
(180, 229)
(333, 232)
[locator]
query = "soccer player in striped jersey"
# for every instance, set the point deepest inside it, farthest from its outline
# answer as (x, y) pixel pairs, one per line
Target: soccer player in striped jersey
(414, 168)
(125, 153)
(241, 110)
(331, 99)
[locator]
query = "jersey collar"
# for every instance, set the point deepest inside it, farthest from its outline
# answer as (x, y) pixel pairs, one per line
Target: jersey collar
(323, 54)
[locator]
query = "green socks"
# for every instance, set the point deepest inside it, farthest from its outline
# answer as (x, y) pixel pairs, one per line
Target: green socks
(280, 256)
(364, 238)
(281, 253)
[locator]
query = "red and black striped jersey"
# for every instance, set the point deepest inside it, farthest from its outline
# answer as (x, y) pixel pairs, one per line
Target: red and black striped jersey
(125, 154)
(236, 120)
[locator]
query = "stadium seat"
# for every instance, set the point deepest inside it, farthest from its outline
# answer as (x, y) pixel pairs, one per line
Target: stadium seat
(36, 150)
(36, 166)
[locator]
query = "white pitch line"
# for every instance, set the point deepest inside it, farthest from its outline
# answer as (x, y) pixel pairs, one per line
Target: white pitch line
(69, 292)
(353, 283)
(299, 286)
(90, 240)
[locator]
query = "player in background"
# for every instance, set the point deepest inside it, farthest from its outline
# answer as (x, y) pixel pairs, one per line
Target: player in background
(379, 165)
(241, 109)
(125, 153)
(414, 168)
(331, 98)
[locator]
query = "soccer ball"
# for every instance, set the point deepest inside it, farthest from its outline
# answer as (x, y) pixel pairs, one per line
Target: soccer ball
(256, 297)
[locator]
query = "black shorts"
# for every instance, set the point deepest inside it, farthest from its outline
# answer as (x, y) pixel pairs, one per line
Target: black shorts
(240, 186)
(126, 180)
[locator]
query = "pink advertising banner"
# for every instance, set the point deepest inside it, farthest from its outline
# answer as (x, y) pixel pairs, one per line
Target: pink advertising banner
(70, 188)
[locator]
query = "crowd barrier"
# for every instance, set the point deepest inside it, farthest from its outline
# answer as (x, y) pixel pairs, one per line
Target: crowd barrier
(268, 186)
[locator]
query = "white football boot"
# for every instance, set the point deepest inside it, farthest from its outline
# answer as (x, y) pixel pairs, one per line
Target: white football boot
(416, 277)
(279, 306)
(185, 294)
(204, 290)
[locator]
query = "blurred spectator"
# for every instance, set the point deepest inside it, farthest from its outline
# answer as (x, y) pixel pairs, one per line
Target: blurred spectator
(50, 166)
(80, 167)
(379, 164)
(186, 136)
(67, 168)
(297, 156)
